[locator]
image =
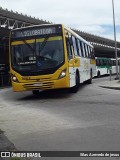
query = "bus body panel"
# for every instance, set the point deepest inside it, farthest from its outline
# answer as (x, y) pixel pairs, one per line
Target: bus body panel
(84, 66)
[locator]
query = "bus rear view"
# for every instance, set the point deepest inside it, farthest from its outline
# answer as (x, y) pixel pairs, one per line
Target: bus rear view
(37, 59)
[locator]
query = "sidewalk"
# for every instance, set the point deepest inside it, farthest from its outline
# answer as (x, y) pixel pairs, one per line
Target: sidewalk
(113, 84)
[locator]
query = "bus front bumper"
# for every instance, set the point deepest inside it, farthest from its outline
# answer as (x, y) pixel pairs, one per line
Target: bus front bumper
(44, 85)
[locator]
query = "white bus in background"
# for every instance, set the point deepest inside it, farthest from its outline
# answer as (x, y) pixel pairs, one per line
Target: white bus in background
(113, 65)
(103, 66)
(113, 61)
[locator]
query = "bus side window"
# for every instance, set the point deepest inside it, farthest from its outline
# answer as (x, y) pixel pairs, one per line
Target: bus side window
(92, 53)
(119, 62)
(114, 62)
(69, 51)
(110, 63)
(86, 49)
(97, 62)
(74, 46)
(107, 62)
(82, 52)
(79, 48)
(104, 62)
(101, 62)
(83, 49)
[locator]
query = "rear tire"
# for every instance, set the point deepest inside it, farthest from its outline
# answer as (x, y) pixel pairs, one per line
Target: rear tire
(36, 92)
(98, 74)
(76, 87)
(89, 81)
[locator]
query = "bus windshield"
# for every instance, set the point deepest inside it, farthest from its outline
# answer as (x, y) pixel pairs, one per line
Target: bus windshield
(37, 54)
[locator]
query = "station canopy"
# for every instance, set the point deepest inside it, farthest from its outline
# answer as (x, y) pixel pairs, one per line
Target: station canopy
(8, 20)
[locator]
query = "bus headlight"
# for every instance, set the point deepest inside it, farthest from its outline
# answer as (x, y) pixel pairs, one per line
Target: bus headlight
(14, 78)
(62, 74)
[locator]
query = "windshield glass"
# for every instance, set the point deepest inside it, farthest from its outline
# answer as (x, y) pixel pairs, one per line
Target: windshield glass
(40, 54)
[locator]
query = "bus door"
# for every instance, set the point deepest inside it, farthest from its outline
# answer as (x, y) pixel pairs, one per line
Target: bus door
(71, 61)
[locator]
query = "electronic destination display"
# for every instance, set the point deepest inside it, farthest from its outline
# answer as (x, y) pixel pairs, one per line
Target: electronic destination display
(36, 31)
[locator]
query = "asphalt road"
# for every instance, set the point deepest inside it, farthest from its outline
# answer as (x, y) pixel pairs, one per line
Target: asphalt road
(60, 121)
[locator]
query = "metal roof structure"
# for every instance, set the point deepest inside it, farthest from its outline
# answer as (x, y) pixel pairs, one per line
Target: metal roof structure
(9, 20)
(12, 19)
(104, 47)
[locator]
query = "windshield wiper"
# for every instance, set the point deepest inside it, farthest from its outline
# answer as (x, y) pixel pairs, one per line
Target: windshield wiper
(41, 47)
(29, 45)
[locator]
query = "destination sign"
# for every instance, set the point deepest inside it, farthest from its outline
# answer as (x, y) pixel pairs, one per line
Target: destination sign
(28, 32)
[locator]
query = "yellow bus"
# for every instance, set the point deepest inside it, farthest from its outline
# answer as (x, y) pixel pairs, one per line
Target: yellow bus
(51, 56)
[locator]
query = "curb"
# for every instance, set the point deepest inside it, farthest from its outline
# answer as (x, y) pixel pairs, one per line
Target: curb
(116, 88)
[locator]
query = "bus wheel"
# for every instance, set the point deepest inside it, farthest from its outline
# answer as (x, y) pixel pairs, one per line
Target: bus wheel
(76, 87)
(36, 92)
(89, 81)
(98, 74)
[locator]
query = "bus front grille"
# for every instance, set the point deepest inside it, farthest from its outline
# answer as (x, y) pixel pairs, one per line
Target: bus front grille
(42, 86)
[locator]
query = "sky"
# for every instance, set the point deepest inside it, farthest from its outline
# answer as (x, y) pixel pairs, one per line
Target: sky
(91, 16)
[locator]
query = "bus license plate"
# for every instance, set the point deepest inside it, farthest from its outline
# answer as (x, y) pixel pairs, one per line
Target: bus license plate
(37, 84)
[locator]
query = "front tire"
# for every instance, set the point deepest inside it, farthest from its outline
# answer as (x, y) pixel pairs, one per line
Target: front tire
(76, 87)
(36, 92)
